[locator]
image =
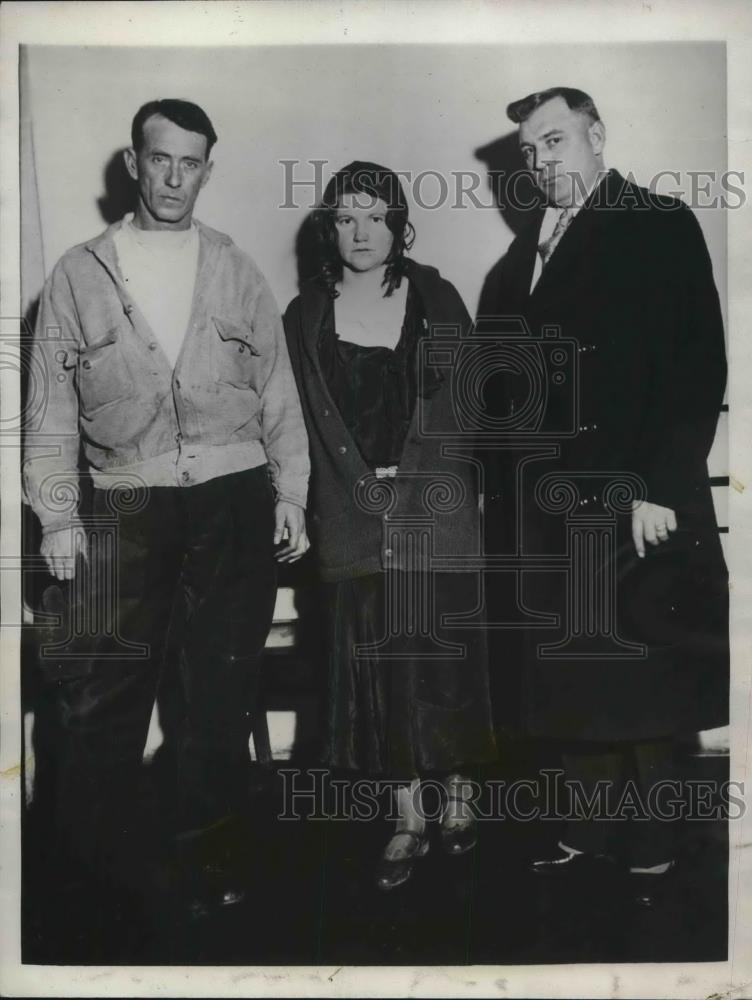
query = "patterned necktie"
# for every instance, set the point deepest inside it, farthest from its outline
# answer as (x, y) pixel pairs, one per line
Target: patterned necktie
(547, 247)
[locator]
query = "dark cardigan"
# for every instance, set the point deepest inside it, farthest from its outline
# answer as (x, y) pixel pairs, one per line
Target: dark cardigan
(357, 522)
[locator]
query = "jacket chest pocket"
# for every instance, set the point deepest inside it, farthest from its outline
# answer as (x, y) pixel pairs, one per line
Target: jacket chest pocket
(235, 358)
(104, 376)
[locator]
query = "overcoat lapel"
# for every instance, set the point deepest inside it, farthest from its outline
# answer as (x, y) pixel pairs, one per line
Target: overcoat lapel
(580, 242)
(568, 256)
(520, 267)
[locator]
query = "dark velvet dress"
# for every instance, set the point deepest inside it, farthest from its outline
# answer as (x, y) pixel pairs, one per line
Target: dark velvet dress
(415, 703)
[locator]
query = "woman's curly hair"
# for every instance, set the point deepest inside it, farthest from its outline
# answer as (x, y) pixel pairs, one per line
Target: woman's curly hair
(362, 177)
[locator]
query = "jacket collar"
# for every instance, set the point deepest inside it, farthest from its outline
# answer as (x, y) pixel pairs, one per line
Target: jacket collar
(210, 241)
(103, 246)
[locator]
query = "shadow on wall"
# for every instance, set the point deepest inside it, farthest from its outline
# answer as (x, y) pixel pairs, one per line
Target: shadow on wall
(305, 250)
(512, 185)
(516, 197)
(119, 190)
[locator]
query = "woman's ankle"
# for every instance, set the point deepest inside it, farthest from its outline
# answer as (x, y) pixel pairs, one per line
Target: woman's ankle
(409, 808)
(459, 796)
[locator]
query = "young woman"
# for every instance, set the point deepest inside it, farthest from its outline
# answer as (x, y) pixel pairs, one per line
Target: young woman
(408, 692)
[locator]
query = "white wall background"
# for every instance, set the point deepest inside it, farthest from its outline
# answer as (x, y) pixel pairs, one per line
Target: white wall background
(420, 107)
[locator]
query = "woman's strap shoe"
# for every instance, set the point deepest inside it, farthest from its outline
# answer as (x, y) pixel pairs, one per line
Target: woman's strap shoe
(459, 838)
(391, 873)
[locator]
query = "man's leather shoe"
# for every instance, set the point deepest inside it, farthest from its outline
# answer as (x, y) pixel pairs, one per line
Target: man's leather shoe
(212, 887)
(647, 889)
(208, 869)
(567, 863)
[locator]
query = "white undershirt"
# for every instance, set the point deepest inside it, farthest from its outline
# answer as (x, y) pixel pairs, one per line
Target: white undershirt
(551, 217)
(159, 270)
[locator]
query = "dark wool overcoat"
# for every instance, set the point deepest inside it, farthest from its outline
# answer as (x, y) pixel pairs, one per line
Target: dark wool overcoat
(631, 649)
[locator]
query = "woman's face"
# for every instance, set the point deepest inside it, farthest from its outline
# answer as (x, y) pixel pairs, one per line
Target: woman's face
(363, 237)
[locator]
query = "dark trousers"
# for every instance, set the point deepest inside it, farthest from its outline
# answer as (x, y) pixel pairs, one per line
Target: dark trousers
(629, 776)
(203, 559)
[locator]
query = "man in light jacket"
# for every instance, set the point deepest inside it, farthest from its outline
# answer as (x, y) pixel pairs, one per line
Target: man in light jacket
(167, 380)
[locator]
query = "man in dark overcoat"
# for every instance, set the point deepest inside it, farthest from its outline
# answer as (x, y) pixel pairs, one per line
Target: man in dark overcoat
(610, 497)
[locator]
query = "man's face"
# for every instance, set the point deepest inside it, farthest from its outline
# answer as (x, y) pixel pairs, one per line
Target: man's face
(170, 169)
(563, 148)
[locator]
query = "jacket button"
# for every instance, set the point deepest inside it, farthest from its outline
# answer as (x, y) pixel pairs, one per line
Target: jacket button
(342, 449)
(241, 348)
(177, 383)
(152, 347)
(326, 413)
(185, 476)
(87, 365)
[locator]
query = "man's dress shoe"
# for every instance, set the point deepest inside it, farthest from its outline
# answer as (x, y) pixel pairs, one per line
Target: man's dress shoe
(212, 887)
(565, 863)
(649, 888)
(209, 872)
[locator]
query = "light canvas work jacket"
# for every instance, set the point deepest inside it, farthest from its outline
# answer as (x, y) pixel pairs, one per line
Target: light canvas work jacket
(102, 383)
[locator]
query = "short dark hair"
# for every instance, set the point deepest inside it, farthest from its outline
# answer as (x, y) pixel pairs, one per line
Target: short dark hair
(577, 100)
(363, 177)
(183, 113)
